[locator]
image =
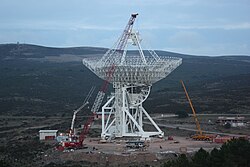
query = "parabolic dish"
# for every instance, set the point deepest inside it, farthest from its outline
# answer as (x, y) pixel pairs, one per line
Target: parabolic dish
(132, 70)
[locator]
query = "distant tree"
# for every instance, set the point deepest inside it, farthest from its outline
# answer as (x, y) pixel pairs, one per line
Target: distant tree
(236, 153)
(169, 164)
(182, 161)
(216, 158)
(200, 159)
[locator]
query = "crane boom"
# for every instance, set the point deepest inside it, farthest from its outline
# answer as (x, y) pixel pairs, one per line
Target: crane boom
(118, 50)
(193, 110)
(100, 96)
(123, 40)
(74, 115)
(85, 102)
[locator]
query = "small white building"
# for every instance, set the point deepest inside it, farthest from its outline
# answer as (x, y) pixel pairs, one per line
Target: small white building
(47, 134)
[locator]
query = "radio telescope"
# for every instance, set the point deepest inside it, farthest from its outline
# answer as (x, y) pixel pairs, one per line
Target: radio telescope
(132, 75)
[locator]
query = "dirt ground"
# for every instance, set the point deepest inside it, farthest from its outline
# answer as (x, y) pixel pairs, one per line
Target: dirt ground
(115, 152)
(19, 132)
(157, 151)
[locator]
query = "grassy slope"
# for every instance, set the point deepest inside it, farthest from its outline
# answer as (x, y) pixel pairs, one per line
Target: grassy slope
(28, 87)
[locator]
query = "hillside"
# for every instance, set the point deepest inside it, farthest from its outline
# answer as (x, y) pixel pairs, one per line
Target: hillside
(37, 80)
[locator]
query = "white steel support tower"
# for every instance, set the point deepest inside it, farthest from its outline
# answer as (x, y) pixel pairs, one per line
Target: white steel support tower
(132, 74)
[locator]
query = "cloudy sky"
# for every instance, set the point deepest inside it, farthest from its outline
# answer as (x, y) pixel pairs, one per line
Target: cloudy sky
(200, 27)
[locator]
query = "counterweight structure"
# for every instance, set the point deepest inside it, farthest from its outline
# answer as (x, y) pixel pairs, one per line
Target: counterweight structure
(132, 76)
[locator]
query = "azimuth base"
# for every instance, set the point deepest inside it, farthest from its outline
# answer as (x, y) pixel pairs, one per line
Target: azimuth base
(123, 113)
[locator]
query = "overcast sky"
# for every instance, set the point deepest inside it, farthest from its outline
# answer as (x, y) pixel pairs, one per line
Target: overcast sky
(199, 27)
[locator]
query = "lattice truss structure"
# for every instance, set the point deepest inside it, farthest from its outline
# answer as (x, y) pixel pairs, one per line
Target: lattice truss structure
(132, 74)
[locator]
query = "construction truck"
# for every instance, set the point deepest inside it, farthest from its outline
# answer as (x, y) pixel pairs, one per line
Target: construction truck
(199, 134)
